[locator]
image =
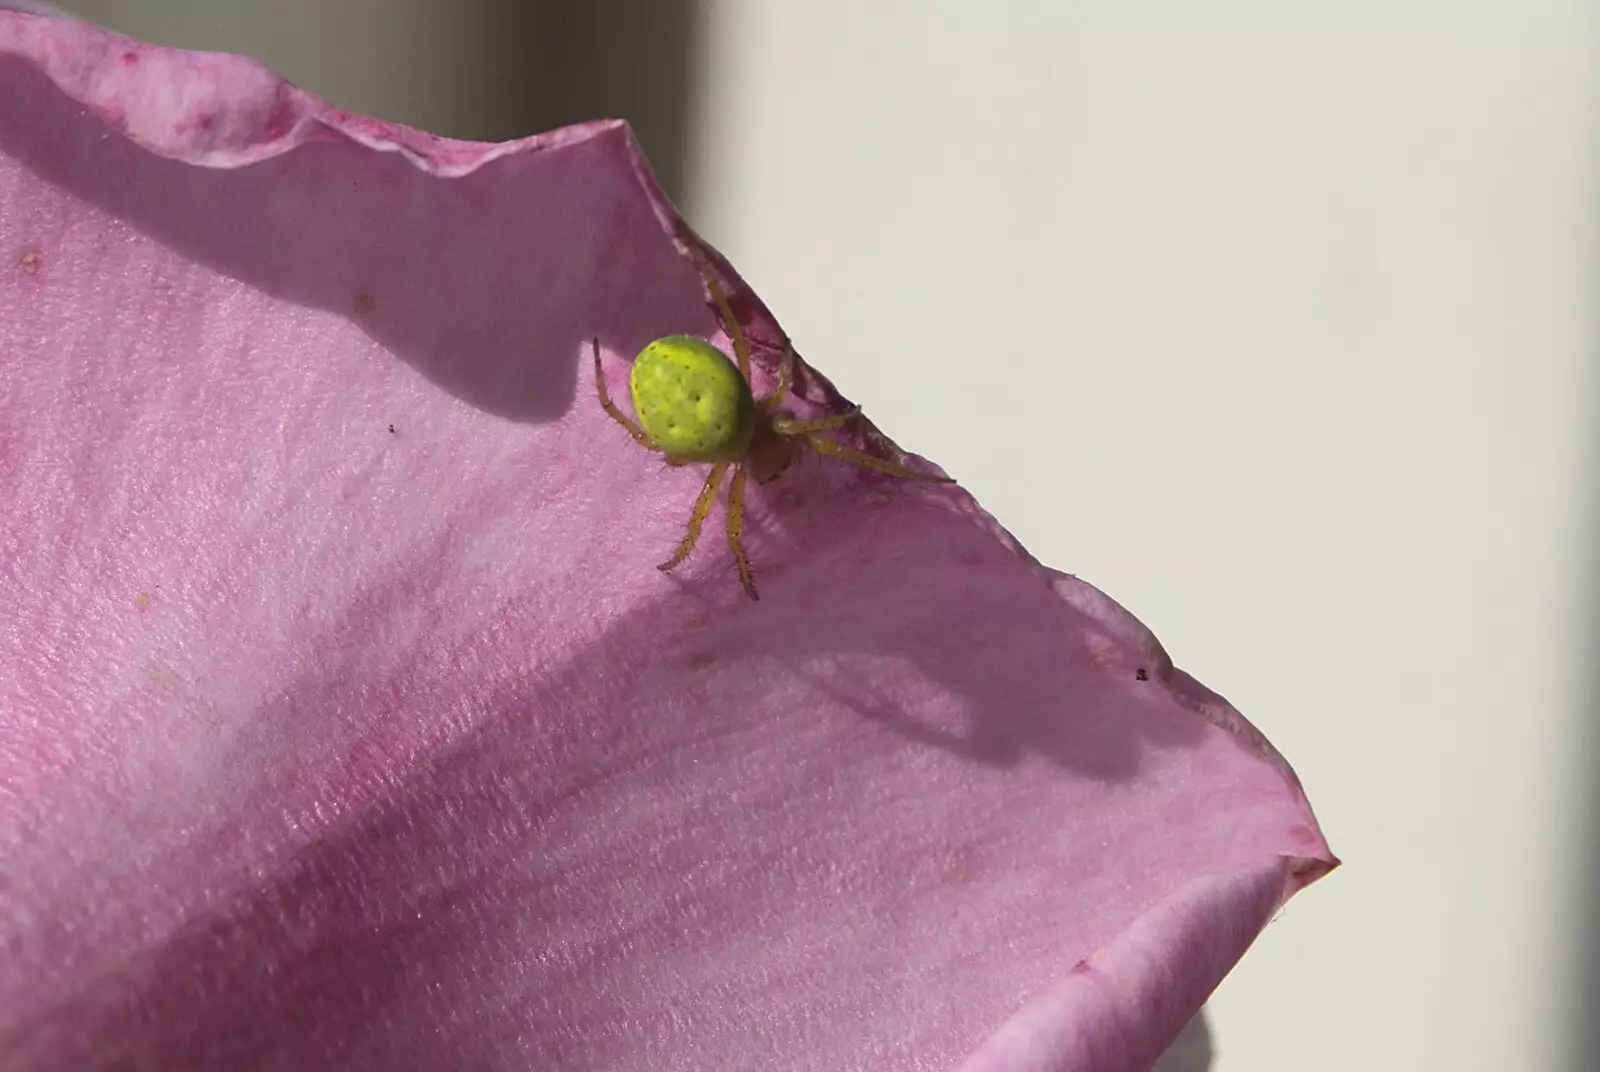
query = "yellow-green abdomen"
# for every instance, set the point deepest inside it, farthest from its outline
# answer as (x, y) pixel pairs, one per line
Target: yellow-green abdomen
(691, 400)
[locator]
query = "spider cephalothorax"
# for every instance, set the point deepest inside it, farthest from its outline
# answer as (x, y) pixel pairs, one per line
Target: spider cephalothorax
(695, 405)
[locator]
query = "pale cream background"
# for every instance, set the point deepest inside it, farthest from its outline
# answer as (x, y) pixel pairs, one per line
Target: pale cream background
(1275, 320)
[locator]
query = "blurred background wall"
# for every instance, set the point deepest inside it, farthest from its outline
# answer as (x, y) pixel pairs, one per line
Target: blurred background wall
(1275, 320)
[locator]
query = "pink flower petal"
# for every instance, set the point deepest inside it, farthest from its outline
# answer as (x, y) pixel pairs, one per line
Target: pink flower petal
(345, 721)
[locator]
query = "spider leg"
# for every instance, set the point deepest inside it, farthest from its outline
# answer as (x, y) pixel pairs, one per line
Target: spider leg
(702, 507)
(838, 450)
(793, 426)
(741, 348)
(736, 529)
(781, 391)
(610, 407)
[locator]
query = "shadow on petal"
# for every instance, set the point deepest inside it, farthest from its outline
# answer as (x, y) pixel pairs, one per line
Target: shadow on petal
(490, 283)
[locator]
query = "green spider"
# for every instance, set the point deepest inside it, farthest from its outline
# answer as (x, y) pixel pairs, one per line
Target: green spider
(694, 405)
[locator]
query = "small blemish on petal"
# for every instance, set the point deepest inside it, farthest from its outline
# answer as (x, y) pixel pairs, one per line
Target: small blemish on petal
(31, 261)
(162, 679)
(365, 302)
(1302, 865)
(130, 58)
(113, 117)
(142, 603)
(281, 121)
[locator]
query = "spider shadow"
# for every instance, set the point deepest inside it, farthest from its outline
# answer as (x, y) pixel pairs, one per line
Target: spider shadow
(489, 284)
(1000, 666)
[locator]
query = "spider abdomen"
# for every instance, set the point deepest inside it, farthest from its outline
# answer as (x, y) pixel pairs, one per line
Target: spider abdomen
(691, 400)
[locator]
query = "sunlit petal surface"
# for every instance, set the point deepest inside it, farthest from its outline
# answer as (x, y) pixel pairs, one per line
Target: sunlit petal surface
(345, 722)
